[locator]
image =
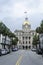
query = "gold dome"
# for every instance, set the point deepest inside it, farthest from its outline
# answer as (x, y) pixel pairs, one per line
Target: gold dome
(26, 22)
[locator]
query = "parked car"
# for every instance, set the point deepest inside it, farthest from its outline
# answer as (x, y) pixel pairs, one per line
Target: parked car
(8, 51)
(14, 49)
(0, 52)
(38, 51)
(40, 45)
(3, 51)
(33, 49)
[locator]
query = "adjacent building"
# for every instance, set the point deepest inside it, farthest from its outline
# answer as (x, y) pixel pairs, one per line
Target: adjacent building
(25, 35)
(4, 43)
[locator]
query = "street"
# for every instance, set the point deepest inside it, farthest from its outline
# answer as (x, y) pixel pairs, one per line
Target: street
(21, 57)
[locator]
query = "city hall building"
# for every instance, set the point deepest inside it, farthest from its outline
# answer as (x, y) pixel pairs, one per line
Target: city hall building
(25, 36)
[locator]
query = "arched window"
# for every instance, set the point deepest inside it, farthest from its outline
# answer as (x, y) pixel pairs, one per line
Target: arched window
(23, 42)
(26, 47)
(23, 47)
(26, 42)
(29, 37)
(23, 38)
(29, 42)
(26, 37)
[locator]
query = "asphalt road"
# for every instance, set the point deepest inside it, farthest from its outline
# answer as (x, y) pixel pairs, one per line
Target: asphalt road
(21, 57)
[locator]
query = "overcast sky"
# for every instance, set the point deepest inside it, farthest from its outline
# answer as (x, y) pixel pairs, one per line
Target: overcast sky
(12, 12)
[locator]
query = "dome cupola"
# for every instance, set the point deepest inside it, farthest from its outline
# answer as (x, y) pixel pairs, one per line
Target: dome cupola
(26, 22)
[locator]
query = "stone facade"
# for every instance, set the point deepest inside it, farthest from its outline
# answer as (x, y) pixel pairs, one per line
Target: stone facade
(25, 35)
(2, 41)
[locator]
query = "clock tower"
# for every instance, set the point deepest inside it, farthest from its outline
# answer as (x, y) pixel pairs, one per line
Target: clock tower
(26, 25)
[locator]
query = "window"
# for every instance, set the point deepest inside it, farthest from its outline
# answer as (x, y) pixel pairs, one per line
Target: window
(23, 42)
(23, 47)
(23, 38)
(26, 37)
(26, 42)
(29, 42)
(26, 47)
(29, 37)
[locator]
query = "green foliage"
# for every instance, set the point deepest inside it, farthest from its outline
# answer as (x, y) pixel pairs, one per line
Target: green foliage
(40, 29)
(35, 39)
(3, 29)
(11, 35)
(6, 31)
(14, 41)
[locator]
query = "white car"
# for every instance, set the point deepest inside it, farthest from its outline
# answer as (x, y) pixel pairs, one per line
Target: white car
(33, 49)
(14, 49)
(3, 51)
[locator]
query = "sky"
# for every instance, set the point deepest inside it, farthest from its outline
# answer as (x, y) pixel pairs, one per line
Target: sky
(12, 13)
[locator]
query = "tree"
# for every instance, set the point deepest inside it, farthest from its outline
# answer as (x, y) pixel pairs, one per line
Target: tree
(35, 40)
(6, 32)
(1, 27)
(11, 35)
(14, 41)
(41, 25)
(40, 29)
